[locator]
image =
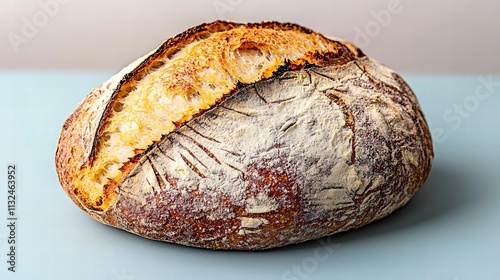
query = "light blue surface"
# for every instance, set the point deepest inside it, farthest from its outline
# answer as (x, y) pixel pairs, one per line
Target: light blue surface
(449, 231)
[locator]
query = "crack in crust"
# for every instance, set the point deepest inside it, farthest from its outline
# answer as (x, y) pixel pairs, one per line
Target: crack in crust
(279, 47)
(345, 53)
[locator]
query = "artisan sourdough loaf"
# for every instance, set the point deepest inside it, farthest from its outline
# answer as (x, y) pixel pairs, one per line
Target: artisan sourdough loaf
(248, 137)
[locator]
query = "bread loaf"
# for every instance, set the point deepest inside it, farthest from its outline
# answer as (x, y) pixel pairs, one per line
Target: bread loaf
(247, 137)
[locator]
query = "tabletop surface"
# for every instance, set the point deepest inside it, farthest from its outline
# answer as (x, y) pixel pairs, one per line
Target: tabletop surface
(449, 231)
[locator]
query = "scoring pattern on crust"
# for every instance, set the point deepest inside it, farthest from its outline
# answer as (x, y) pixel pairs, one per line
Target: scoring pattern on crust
(233, 136)
(185, 76)
(293, 158)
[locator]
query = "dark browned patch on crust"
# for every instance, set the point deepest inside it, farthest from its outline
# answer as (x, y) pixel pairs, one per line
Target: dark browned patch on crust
(342, 56)
(173, 219)
(284, 222)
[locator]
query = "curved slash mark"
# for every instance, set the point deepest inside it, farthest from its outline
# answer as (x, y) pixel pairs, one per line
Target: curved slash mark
(236, 111)
(203, 148)
(235, 168)
(190, 153)
(310, 77)
(282, 78)
(322, 75)
(232, 153)
(282, 100)
(204, 136)
(360, 68)
(350, 120)
(258, 94)
(191, 165)
(163, 153)
(288, 124)
(158, 177)
(332, 188)
(149, 183)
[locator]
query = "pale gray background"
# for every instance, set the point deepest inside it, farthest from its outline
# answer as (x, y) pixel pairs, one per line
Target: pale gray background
(423, 36)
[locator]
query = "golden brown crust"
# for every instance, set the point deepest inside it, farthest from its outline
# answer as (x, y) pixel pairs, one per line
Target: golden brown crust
(105, 99)
(343, 54)
(197, 176)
